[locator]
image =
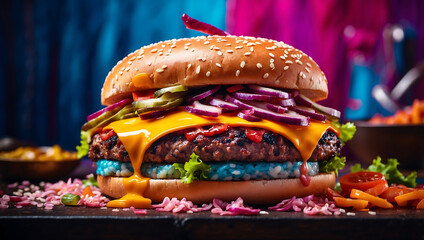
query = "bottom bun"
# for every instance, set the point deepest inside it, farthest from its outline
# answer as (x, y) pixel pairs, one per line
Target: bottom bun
(252, 192)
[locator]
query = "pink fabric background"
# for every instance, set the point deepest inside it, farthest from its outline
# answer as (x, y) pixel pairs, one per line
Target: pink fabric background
(317, 27)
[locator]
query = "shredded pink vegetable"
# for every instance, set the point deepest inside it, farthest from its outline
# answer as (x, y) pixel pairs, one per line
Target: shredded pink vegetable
(310, 205)
(180, 206)
(236, 207)
(48, 195)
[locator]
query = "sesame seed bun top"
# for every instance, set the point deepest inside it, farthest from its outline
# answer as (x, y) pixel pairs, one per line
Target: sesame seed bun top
(212, 60)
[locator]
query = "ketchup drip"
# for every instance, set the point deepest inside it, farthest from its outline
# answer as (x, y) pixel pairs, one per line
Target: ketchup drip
(304, 177)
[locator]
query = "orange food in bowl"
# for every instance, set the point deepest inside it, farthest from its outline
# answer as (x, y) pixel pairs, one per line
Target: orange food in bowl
(410, 115)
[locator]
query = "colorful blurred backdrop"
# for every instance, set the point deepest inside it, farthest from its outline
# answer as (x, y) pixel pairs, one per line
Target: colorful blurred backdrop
(55, 55)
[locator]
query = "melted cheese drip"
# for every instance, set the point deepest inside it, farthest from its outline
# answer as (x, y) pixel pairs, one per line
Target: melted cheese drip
(137, 135)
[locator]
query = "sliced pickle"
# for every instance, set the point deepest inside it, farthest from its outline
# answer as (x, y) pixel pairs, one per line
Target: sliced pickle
(157, 102)
(173, 89)
(121, 114)
(170, 104)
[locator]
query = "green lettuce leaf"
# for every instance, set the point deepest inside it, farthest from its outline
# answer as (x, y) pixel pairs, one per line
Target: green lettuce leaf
(192, 170)
(347, 131)
(82, 149)
(332, 165)
(90, 181)
(390, 171)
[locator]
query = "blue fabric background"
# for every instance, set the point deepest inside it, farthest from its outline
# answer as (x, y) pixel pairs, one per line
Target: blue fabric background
(55, 55)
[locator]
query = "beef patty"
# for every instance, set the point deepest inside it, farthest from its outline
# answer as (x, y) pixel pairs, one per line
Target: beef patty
(231, 145)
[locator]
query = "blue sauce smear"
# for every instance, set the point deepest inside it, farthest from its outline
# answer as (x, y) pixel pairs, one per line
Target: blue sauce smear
(225, 171)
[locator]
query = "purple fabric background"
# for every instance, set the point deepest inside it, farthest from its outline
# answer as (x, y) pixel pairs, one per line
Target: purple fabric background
(318, 27)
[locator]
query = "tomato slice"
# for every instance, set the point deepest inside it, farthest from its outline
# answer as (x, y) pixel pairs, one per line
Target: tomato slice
(363, 181)
(143, 95)
(331, 194)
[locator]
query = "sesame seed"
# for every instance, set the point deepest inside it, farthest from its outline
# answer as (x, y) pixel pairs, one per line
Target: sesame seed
(251, 49)
(245, 41)
(271, 65)
(159, 70)
(272, 55)
(164, 66)
(208, 74)
(189, 66)
(154, 50)
(289, 62)
(187, 44)
(163, 45)
(302, 75)
(247, 54)
(219, 53)
(161, 53)
(211, 48)
(198, 69)
(237, 73)
(250, 44)
(298, 62)
(160, 50)
(206, 43)
(140, 57)
(224, 40)
(307, 69)
(286, 67)
(120, 72)
(242, 64)
(173, 46)
(204, 59)
(141, 51)
(123, 68)
(239, 47)
(259, 65)
(350, 214)
(133, 58)
(127, 69)
(372, 213)
(230, 51)
(282, 57)
(136, 69)
(266, 75)
(217, 64)
(271, 60)
(199, 58)
(216, 48)
(228, 44)
(186, 47)
(308, 64)
(149, 63)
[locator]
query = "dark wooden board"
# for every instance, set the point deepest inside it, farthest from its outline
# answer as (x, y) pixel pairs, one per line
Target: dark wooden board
(93, 223)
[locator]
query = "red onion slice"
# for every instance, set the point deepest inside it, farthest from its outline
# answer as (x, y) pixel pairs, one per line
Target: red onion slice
(108, 108)
(237, 102)
(222, 104)
(201, 109)
(330, 112)
(154, 114)
(205, 94)
(194, 24)
(276, 108)
(288, 118)
(284, 102)
(246, 115)
(250, 96)
(268, 91)
(305, 111)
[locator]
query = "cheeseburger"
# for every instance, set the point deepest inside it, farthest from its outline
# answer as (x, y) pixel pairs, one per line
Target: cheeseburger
(213, 117)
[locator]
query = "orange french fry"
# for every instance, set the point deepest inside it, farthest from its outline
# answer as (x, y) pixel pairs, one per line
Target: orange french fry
(87, 191)
(376, 201)
(348, 202)
(415, 112)
(403, 199)
(421, 204)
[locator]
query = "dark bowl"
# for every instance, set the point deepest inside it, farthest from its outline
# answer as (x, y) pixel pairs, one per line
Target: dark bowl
(36, 170)
(404, 142)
